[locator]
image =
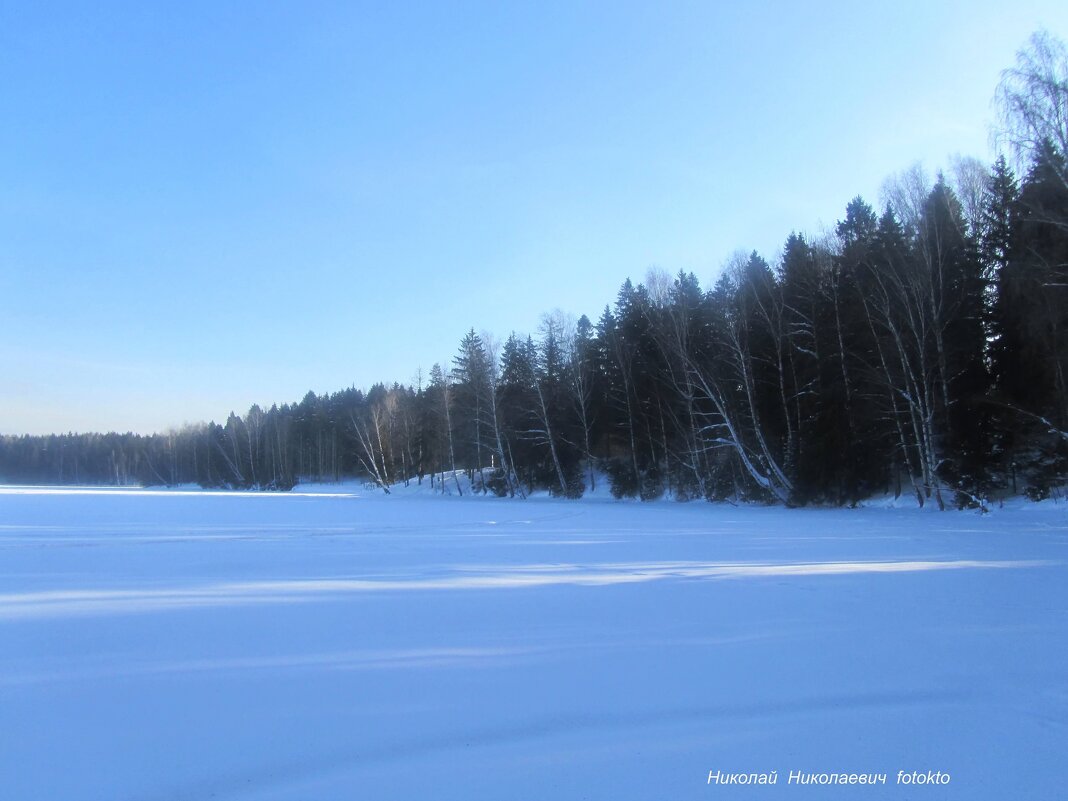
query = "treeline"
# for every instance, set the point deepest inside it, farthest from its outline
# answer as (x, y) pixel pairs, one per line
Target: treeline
(263, 450)
(920, 350)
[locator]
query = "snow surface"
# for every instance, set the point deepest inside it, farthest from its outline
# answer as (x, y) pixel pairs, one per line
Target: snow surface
(339, 644)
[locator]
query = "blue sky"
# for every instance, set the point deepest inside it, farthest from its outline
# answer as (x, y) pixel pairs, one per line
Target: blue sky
(206, 205)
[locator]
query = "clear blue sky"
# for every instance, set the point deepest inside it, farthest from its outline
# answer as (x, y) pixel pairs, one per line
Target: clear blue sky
(206, 205)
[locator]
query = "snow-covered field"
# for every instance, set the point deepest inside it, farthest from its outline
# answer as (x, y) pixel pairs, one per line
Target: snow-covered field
(185, 645)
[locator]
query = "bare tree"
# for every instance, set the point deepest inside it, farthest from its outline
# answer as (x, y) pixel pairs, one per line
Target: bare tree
(368, 430)
(906, 192)
(492, 349)
(968, 178)
(441, 377)
(1032, 101)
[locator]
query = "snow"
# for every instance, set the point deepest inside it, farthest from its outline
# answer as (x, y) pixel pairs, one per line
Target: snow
(334, 643)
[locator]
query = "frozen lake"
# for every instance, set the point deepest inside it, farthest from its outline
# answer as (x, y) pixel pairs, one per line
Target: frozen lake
(184, 645)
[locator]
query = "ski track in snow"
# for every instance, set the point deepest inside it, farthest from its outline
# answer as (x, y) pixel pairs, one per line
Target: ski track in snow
(64, 603)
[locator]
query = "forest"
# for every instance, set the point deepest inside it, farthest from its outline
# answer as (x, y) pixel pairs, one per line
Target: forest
(919, 349)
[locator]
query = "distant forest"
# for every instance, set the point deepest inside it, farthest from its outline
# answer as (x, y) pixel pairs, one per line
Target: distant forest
(918, 350)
